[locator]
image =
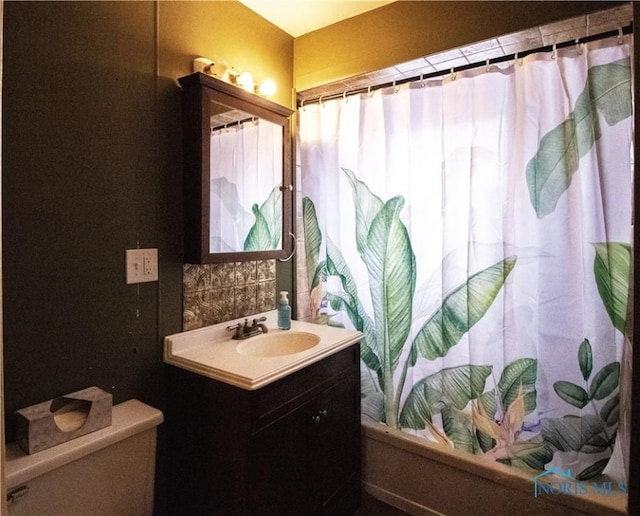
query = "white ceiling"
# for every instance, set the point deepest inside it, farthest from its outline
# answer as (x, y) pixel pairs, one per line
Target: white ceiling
(297, 17)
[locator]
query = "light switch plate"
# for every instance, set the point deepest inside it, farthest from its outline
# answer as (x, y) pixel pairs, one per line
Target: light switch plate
(141, 265)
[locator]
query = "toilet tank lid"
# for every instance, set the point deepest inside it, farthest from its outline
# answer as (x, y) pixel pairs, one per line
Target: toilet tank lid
(128, 419)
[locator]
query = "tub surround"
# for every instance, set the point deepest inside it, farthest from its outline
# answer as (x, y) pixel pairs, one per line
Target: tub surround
(212, 352)
(427, 478)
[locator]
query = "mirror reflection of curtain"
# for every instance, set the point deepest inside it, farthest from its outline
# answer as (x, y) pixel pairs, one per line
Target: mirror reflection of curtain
(246, 165)
(477, 229)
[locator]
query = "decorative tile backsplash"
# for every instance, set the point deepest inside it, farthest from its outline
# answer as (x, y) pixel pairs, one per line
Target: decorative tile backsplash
(214, 293)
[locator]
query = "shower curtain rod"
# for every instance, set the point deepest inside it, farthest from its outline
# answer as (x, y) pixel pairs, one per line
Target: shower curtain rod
(235, 123)
(628, 29)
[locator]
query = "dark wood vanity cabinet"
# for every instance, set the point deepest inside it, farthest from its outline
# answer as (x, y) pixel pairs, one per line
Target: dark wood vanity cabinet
(289, 448)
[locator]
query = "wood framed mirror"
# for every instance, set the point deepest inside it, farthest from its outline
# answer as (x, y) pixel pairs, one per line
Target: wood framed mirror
(238, 189)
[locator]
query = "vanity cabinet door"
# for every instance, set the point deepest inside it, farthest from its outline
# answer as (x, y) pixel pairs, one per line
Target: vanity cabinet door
(335, 454)
(280, 468)
(308, 462)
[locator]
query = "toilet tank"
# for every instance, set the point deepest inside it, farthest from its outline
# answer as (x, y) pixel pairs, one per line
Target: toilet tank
(108, 472)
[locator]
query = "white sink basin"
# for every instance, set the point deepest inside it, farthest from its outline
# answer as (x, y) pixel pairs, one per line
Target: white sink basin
(278, 344)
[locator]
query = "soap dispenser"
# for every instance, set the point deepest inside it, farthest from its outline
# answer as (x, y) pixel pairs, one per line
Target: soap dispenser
(284, 311)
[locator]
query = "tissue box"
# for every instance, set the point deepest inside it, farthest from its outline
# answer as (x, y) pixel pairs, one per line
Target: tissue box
(56, 421)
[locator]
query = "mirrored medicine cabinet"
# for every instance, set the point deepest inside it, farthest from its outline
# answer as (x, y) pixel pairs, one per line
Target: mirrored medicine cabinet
(237, 194)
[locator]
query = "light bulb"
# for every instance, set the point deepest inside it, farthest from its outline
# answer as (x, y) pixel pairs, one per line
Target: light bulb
(245, 80)
(267, 88)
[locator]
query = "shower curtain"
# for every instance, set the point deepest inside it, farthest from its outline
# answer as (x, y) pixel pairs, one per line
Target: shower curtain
(476, 228)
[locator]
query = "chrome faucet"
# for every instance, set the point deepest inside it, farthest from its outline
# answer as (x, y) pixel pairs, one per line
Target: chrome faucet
(244, 331)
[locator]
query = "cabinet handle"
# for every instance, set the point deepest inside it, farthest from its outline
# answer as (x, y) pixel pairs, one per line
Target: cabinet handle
(317, 419)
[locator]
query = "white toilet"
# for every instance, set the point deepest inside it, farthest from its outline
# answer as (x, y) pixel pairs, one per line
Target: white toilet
(109, 472)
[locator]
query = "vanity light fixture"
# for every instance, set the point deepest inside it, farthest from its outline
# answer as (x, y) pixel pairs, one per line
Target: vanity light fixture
(267, 88)
(228, 73)
(202, 64)
(219, 70)
(246, 82)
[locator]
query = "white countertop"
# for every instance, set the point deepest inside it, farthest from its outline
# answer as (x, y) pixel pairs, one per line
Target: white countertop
(211, 352)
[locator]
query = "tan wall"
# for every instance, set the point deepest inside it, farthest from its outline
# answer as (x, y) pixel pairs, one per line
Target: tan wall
(406, 30)
(229, 31)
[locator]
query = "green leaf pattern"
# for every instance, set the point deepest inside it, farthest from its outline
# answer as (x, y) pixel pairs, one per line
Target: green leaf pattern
(312, 241)
(452, 387)
(571, 393)
(605, 382)
(612, 268)
(267, 228)
(550, 171)
(460, 310)
(478, 415)
(585, 359)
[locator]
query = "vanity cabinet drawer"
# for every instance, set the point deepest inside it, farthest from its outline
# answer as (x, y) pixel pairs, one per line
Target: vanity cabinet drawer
(277, 399)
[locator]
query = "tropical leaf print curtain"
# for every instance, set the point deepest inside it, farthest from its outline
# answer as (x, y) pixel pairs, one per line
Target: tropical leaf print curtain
(476, 228)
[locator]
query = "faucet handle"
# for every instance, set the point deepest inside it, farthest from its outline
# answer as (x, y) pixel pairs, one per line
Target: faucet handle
(261, 319)
(238, 329)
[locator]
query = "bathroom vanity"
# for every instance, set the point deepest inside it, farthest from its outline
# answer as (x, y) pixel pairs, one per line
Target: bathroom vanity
(290, 444)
